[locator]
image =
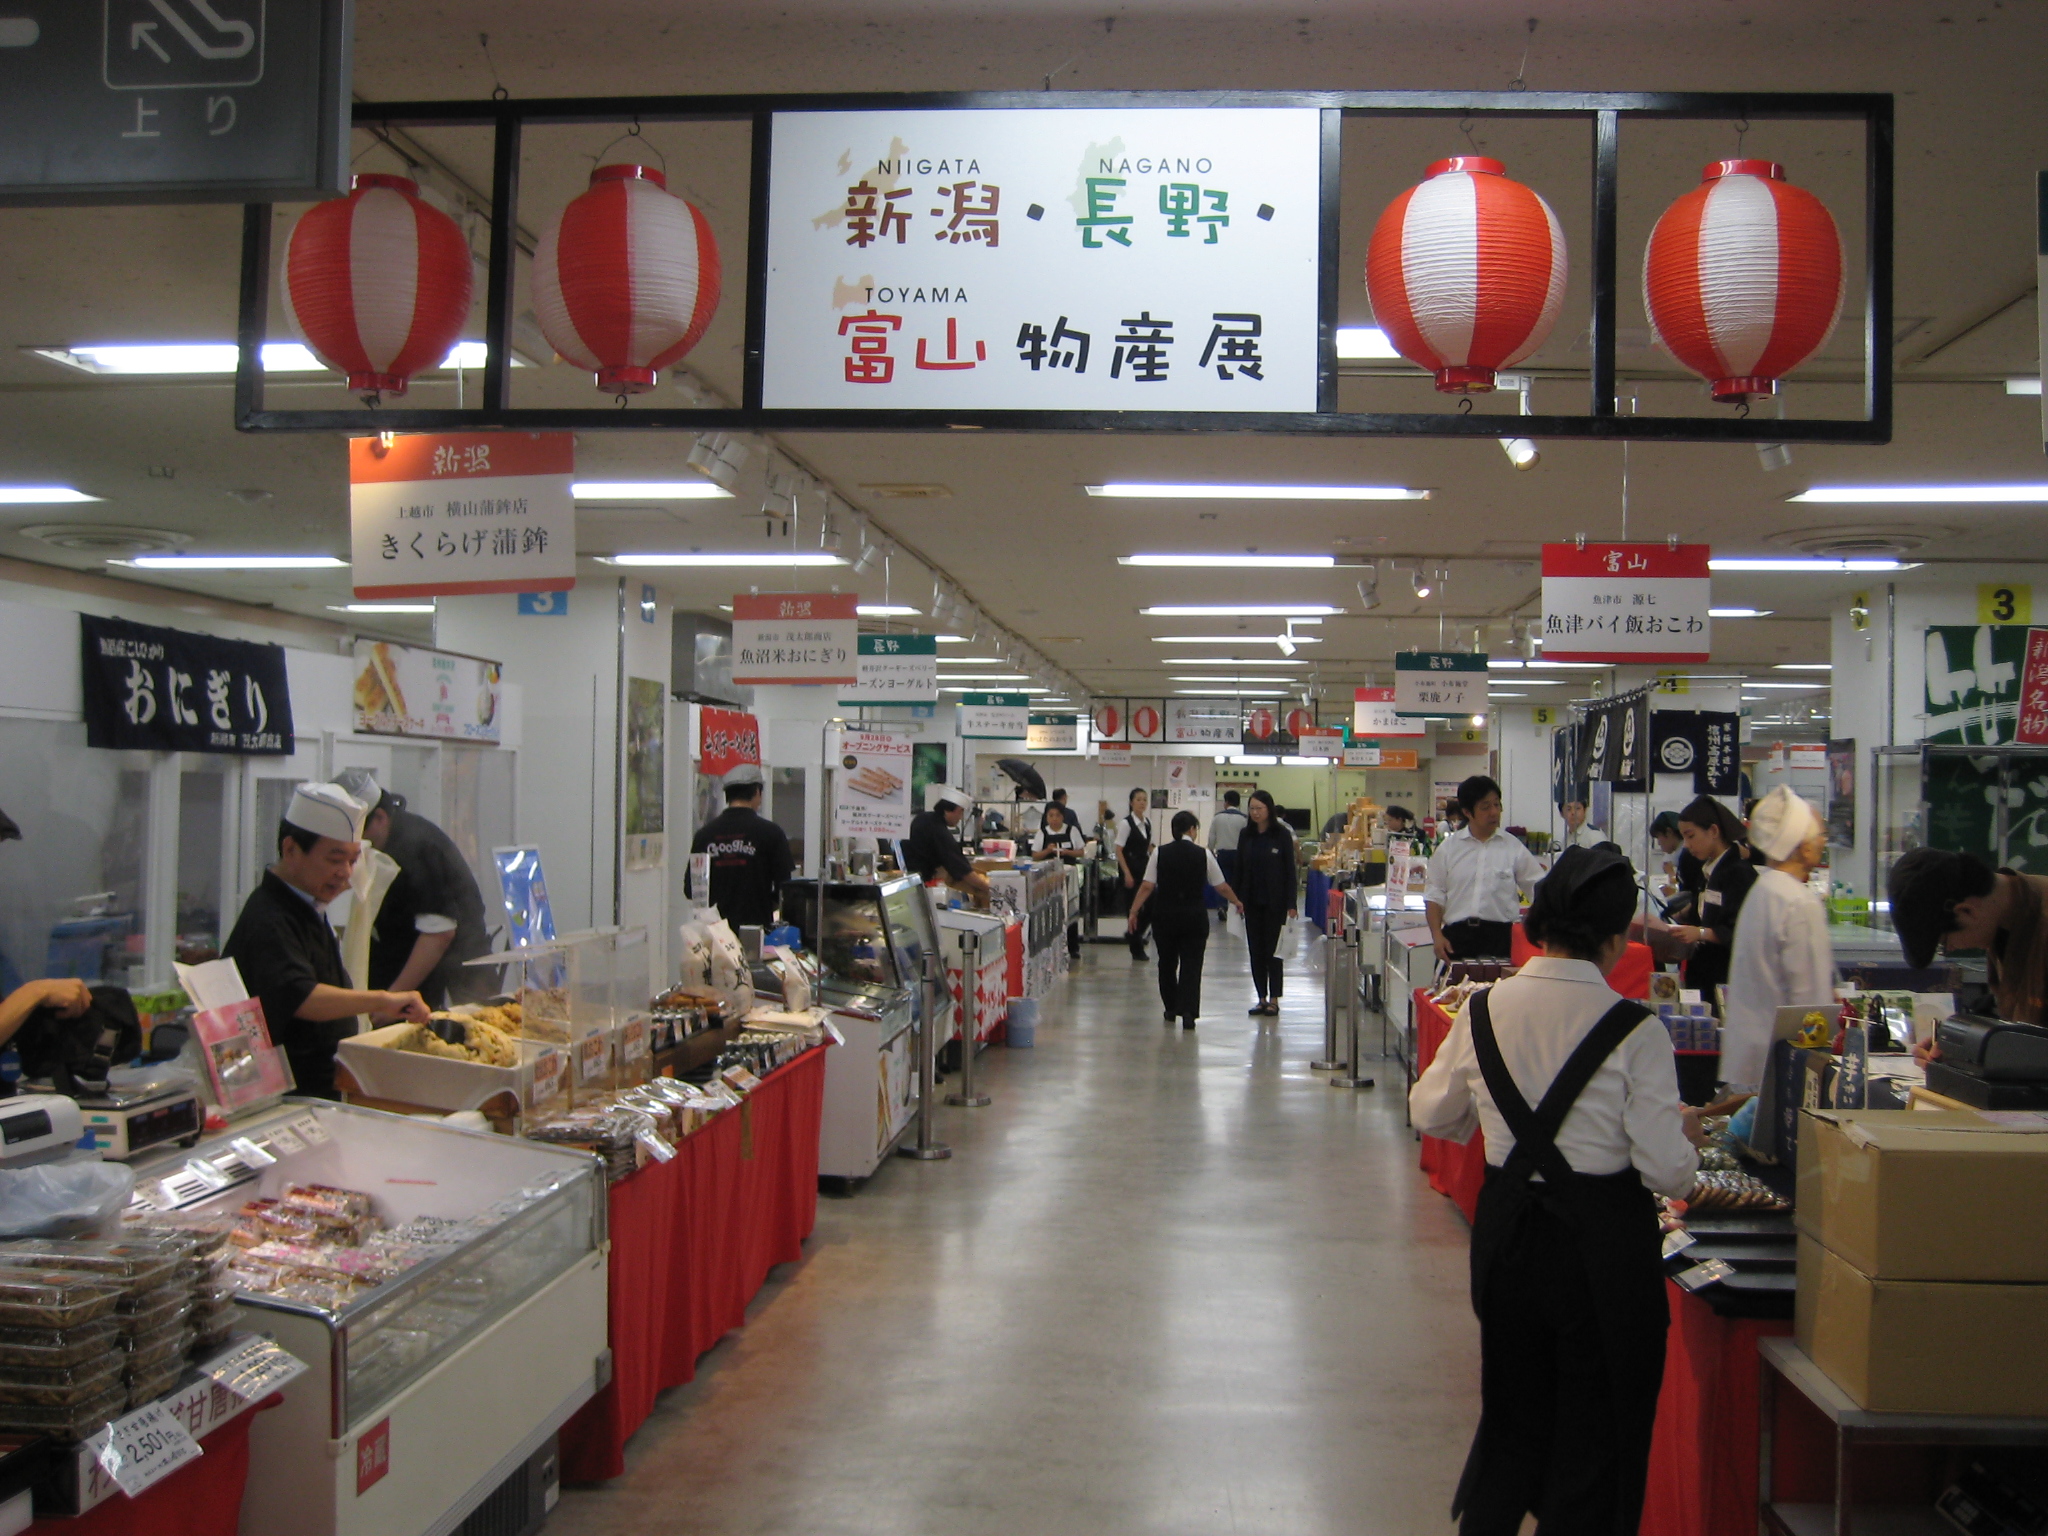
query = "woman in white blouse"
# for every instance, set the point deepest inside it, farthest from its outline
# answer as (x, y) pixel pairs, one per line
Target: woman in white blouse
(1567, 1274)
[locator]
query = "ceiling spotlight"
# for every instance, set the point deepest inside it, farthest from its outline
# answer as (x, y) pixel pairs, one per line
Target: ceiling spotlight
(1772, 456)
(1369, 589)
(1286, 644)
(1419, 579)
(1525, 643)
(1521, 452)
(1478, 720)
(869, 554)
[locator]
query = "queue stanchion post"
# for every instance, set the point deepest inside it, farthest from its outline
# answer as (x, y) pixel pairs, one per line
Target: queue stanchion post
(927, 1149)
(1352, 1077)
(970, 1024)
(1334, 981)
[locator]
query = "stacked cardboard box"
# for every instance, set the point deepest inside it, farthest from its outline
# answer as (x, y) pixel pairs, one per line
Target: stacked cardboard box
(1923, 1259)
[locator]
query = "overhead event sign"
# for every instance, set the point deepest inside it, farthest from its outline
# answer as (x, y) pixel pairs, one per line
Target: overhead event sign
(406, 690)
(1439, 685)
(149, 689)
(1086, 259)
(1320, 741)
(1374, 714)
(475, 512)
(1053, 733)
(1626, 602)
(795, 637)
(1204, 722)
(995, 716)
(896, 669)
(1361, 757)
(871, 788)
(174, 101)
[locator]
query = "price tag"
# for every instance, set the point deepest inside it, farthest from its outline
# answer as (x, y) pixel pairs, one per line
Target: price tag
(1677, 1242)
(633, 1038)
(255, 1369)
(833, 1030)
(547, 1077)
(314, 1132)
(593, 1056)
(284, 1141)
(1704, 1274)
(252, 1156)
(739, 1079)
(144, 1448)
(207, 1174)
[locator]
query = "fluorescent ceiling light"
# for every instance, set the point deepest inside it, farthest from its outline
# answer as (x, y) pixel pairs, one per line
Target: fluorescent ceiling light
(217, 357)
(886, 611)
(969, 661)
(1242, 693)
(40, 495)
(1495, 693)
(1804, 666)
(380, 607)
(1566, 666)
(1159, 490)
(2023, 386)
(1815, 563)
(1228, 611)
(1237, 639)
(233, 562)
(1503, 664)
(1227, 681)
(1236, 562)
(1236, 661)
(652, 490)
(988, 677)
(728, 557)
(1807, 687)
(1740, 613)
(999, 690)
(1363, 341)
(954, 640)
(1861, 494)
(1254, 762)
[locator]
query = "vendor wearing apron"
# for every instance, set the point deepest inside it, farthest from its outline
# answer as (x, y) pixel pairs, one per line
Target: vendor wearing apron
(1567, 1275)
(1133, 851)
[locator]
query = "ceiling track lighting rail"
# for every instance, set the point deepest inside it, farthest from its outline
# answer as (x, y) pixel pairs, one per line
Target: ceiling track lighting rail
(1602, 112)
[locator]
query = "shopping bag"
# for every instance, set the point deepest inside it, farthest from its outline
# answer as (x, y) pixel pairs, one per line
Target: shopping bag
(1233, 923)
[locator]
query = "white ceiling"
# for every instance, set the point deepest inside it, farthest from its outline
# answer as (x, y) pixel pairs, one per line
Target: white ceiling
(1017, 531)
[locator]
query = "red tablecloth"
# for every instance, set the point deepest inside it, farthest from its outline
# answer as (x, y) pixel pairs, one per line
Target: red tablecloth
(201, 1498)
(692, 1240)
(1630, 976)
(1454, 1170)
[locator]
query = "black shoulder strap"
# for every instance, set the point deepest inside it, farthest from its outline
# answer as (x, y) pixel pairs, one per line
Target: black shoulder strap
(1536, 1130)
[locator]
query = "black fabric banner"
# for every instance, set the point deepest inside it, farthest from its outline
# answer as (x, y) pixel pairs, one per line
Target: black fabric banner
(1703, 743)
(1631, 745)
(168, 690)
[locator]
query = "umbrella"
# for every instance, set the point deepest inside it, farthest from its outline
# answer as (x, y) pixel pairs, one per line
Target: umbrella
(1023, 775)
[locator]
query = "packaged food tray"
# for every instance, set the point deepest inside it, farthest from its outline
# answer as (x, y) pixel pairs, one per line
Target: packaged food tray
(154, 1348)
(73, 1423)
(53, 1299)
(49, 1348)
(171, 1304)
(147, 1386)
(134, 1266)
(64, 1387)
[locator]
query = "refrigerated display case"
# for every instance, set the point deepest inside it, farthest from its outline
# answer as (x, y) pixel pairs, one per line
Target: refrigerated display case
(426, 1393)
(869, 938)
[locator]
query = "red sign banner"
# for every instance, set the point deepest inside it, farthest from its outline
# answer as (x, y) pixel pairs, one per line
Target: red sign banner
(726, 738)
(1626, 602)
(2033, 721)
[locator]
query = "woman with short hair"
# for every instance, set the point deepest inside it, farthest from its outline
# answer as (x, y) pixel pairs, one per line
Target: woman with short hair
(1178, 874)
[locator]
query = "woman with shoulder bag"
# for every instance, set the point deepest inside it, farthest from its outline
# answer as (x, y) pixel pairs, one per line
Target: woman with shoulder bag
(1265, 880)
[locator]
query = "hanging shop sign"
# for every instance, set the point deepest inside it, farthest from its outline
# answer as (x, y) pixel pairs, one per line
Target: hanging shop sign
(2031, 721)
(1053, 733)
(1614, 744)
(1265, 730)
(404, 690)
(995, 716)
(1374, 714)
(1405, 759)
(1145, 258)
(1204, 722)
(1703, 743)
(1361, 757)
(895, 669)
(167, 690)
(1115, 754)
(1626, 602)
(871, 787)
(476, 512)
(149, 101)
(795, 637)
(1809, 756)
(1439, 685)
(1320, 741)
(725, 739)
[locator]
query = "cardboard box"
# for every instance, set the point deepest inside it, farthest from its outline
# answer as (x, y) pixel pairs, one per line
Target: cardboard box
(1912, 1346)
(1905, 1195)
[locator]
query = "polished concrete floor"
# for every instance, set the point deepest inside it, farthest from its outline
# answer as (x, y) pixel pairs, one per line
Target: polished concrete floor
(1168, 1283)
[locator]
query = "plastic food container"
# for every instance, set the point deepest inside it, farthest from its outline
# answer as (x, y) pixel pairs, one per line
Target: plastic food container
(49, 1348)
(65, 1387)
(152, 1349)
(147, 1386)
(172, 1304)
(135, 1267)
(73, 1423)
(53, 1299)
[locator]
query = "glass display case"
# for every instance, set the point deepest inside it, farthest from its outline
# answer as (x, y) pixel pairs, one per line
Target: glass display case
(873, 934)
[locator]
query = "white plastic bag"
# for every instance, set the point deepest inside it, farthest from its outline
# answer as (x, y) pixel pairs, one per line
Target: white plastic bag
(1233, 923)
(72, 1198)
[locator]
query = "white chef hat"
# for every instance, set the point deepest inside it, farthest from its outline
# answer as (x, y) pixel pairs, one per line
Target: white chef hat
(327, 810)
(1781, 822)
(946, 794)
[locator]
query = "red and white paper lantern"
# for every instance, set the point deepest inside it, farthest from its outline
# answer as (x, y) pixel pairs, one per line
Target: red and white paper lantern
(626, 279)
(378, 283)
(1466, 272)
(1743, 277)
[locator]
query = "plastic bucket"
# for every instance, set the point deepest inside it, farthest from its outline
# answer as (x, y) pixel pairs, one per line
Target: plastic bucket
(1022, 1023)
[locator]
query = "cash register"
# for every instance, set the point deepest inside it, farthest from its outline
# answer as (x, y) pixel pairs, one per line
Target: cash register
(1991, 1064)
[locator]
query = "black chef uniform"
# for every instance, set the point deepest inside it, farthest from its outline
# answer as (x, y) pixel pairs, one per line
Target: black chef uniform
(933, 847)
(750, 860)
(284, 949)
(1137, 850)
(1715, 909)
(1180, 922)
(433, 877)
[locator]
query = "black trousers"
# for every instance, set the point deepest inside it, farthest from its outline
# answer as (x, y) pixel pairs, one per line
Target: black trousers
(1183, 937)
(1477, 939)
(1262, 927)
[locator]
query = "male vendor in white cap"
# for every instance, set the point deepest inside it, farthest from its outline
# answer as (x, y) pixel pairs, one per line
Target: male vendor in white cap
(933, 847)
(287, 954)
(1782, 956)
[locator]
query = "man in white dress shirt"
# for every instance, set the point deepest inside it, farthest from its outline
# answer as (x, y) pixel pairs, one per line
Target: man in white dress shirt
(1782, 956)
(1577, 834)
(1477, 879)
